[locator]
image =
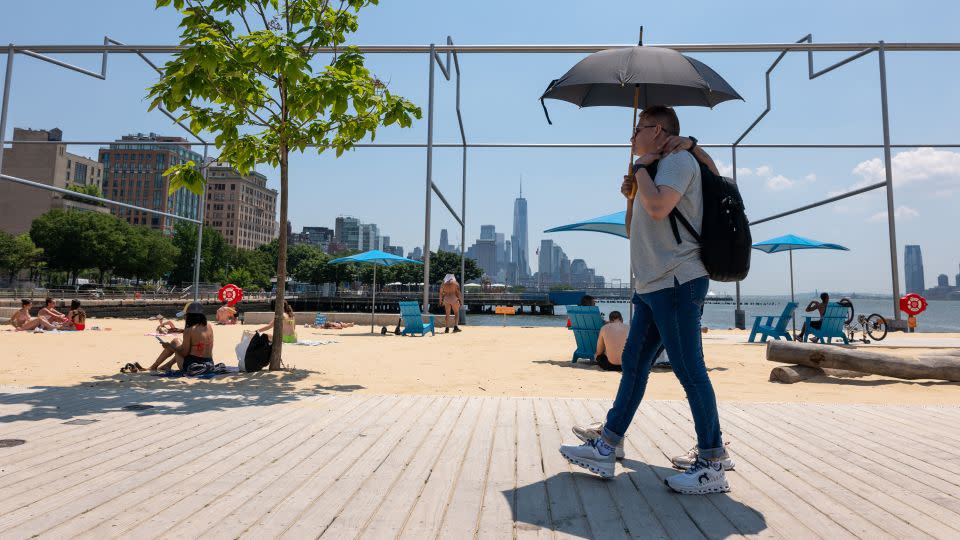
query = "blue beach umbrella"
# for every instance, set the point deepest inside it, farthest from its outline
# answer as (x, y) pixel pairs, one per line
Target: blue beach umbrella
(789, 243)
(610, 224)
(376, 258)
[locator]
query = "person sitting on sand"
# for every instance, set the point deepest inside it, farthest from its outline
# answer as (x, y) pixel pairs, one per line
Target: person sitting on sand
(50, 313)
(226, 314)
(22, 320)
(613, 336)
(289, 325)
(196, 347)
(451, 299)
(77, 317)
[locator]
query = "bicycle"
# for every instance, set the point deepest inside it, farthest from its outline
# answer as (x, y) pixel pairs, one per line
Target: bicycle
(873, 325)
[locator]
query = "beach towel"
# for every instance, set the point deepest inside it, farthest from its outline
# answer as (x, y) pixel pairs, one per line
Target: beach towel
(219, 369)
(314, 342)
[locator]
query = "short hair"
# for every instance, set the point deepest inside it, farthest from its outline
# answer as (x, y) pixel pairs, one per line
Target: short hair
(665, 116)
(74, 304)
(48, 301)
(616, 316)
(824, 297)
(26, 302)
(194, 319)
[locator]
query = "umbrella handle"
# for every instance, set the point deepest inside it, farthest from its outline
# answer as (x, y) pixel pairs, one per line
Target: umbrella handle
(633, 126)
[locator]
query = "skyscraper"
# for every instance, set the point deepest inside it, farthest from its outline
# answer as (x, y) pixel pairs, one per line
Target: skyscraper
(521, 247)
(488, 232)
(444, 241)
(545, 259)
(913, 269)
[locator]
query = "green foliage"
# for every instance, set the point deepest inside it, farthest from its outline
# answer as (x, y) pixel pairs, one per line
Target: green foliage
(147, 255)
(16, 253)
(88, 189)
(444, 262)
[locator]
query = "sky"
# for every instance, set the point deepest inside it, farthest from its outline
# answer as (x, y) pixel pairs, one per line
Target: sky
(499, 104)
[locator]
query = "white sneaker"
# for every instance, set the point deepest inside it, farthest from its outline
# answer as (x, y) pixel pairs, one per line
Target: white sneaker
(687, 460)
(589, 457)
(593, 431)
(701, 478)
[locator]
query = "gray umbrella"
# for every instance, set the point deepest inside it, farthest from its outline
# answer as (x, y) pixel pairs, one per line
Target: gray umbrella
(639, 77)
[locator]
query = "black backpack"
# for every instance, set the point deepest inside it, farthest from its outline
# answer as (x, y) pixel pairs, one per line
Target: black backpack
(725, 241)
(257, 356)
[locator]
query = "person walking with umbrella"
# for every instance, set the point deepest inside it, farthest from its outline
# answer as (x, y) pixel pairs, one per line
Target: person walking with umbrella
(670, 285)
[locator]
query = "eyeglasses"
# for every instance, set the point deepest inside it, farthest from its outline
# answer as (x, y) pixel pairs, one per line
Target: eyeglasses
(638, 129)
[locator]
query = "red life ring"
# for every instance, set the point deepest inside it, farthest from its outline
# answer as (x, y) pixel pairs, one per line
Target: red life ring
(230, 293)
(913, 304)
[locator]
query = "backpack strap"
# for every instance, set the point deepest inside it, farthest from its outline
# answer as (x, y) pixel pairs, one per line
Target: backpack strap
(676, 215)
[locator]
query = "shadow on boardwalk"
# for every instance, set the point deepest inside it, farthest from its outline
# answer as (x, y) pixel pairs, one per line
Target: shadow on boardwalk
(580, 504)
(176, 396)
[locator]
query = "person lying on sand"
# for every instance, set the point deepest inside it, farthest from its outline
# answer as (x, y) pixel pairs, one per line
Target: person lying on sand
(50, 313)
(196, 346)
(226, 314)
(336, 325)
(22, 320)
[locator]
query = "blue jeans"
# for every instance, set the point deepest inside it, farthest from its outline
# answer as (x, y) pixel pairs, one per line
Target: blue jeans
(671, 317)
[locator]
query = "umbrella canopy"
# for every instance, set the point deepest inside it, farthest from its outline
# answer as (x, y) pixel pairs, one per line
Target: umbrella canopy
(376, 258)
(609, 224)
(791, 242)
(640, 77)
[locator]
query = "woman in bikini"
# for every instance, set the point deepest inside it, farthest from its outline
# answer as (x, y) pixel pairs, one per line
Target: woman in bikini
(451, 299)
(77, 317)
(22, 320)
(289, 325)
(196, 346)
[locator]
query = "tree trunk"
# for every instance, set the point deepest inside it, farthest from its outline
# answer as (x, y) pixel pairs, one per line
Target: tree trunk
(281, 265)
(827, 356)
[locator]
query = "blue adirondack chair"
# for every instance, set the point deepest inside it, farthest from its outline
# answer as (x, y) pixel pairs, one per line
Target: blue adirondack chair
(585, 322)
(769, 329)
(831, 327)
(413, 320)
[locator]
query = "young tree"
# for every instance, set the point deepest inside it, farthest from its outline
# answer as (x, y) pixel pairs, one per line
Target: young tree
(16, 253)
(255, 87)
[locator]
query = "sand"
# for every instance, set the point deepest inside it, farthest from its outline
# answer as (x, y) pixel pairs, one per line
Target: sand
(490, 361)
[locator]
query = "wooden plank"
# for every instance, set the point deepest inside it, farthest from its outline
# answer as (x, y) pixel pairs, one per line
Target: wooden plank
(95, 488)
(205, 494)
(157, 500)
(833, 445)
(389, 517)
(461, 519)
(890, 496)
(499, 496)
(232, 513)
(917, 422)
(566, 509)
(532, 508)
(327, 506)
(344, 451)
(647, 479)
(375, 485)
(426, 516)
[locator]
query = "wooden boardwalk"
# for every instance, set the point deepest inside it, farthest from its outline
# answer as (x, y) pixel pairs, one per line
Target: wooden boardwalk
(342, 465)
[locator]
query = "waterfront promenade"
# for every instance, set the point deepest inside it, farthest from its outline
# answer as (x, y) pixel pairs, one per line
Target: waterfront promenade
(337, 464)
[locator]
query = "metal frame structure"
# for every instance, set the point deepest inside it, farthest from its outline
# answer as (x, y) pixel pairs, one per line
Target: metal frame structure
(805, 44)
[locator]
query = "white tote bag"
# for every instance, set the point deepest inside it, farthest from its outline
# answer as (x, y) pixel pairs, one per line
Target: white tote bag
(242, 347)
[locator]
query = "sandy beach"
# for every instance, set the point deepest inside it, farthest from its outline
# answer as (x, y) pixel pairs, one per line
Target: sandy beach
(481, 361)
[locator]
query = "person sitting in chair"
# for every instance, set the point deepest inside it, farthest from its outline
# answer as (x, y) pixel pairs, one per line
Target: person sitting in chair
(820, 307)
(613, 336)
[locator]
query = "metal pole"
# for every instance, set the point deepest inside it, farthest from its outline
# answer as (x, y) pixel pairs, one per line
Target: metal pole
(792, 299)
(203, 204)
(891, 222)
(6, 100)
(426, 214)
(463, 233)
(373, 299)
(739, 316)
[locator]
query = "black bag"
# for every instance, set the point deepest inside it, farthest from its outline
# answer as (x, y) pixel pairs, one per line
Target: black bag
(257, 356)
(725, 241)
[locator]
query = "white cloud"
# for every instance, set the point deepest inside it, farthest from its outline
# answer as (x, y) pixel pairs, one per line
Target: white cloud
(725, 168)
(763, 170)
(779, 183)
(902, 213)
(941, 167)
(744, 171)
(810, 177)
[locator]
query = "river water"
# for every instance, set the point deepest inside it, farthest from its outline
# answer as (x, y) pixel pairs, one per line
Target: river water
(940, 316)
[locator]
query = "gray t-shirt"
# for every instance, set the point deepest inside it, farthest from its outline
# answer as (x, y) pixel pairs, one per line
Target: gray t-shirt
(655, 255)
